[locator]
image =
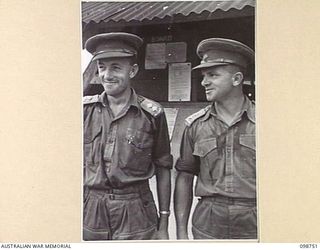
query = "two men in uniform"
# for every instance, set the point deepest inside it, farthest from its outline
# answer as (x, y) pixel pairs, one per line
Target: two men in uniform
(126, 142)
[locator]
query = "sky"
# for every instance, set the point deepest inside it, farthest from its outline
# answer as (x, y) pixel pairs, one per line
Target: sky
(85, 59)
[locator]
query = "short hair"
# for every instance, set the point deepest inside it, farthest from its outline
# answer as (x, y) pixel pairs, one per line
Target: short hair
(238, 68)
(133, 60)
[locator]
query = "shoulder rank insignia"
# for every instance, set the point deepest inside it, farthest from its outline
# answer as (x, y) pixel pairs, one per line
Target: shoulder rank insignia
(150, 106)
(90, 99)
(190, 119)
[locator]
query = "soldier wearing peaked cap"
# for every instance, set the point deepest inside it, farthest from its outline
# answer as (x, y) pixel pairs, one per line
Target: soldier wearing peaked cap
(218, 146)
(126, 142)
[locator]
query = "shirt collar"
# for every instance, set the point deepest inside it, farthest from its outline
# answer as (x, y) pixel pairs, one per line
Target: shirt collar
(208, 113)
(133, 101)
(103, 99)
(248, 108)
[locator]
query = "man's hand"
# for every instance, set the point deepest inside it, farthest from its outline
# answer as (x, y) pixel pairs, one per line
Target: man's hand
(162, 235)
(182, 234)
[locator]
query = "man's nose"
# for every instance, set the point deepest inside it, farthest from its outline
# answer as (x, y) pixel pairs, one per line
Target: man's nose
(204, 82)
(107, 74)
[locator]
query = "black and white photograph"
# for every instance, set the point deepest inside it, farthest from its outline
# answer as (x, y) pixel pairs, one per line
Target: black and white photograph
(169, 120)
(159, 124)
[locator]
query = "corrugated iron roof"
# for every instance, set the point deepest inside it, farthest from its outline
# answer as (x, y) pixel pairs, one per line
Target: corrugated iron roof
(115, 12)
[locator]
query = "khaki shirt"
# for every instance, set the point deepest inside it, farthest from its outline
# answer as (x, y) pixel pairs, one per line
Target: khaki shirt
(223, 157)
(127, 148)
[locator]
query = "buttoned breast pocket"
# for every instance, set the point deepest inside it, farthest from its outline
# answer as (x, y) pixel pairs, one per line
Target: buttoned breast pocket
(137, 155)
(91, 147)
(247, 155)
(207, 151)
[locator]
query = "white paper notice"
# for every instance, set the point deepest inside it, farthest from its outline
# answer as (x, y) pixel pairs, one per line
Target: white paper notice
(171, 115)
(155, 56)
(179, 81)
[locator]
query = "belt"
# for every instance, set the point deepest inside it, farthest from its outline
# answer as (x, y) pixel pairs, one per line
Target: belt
(134, 189)
(230, 200)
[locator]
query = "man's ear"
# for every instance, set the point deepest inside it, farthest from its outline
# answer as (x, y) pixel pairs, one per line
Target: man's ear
(237, 78)
(134, 70)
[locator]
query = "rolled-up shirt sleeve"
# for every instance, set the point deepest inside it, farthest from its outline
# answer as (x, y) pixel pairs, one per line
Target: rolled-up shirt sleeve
(187, 162)
(161, 149)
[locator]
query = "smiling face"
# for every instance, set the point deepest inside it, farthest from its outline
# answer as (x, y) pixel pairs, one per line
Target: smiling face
(115, 74)
(220, 81)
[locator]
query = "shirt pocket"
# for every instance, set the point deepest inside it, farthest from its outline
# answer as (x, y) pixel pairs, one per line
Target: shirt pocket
(247, 155)
(207, 151)
(138, 152)
(91, 147)
(203, 147)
